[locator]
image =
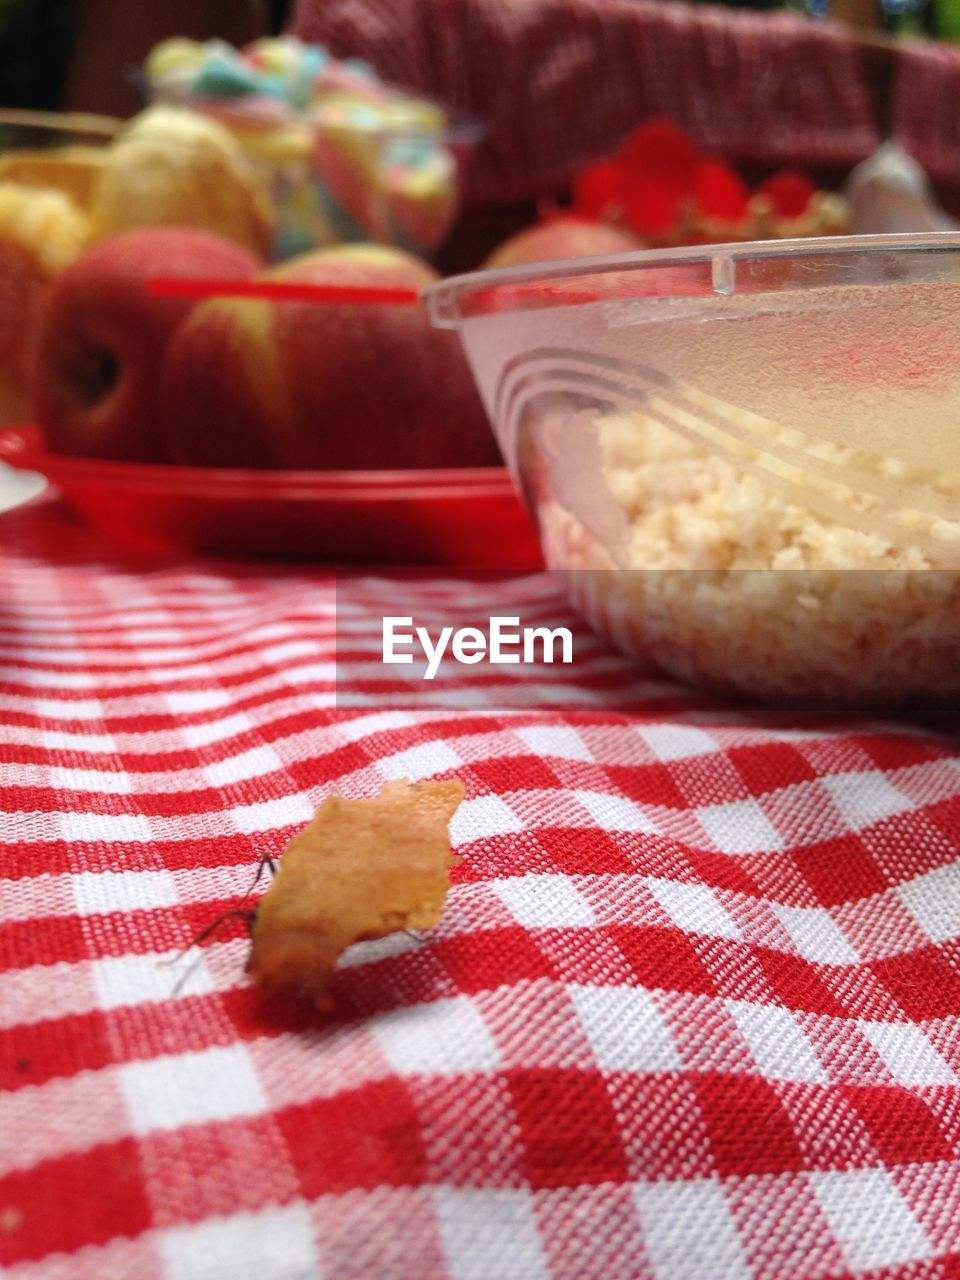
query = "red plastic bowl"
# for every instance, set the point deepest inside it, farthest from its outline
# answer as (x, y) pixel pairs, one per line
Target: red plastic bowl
(467, 518)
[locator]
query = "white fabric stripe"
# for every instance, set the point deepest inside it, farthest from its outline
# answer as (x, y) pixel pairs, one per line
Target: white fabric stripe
(866, 797)
(197, 1087)
(689, 1231)
(379, 722)
(614, 812)
(257, 762)
(265, 1244)
(739, 827)
(694, 908)
(544, 900)
(114, 782)
(816, 934)
(909, 1055)
(445, 1038)
(478, 1225)
(108, 891)
(482, 817)
(626, 1030)
(150, 979)
(422, 760)
(676, 741)
(562, 741)
(870, 1219)
(777, 1042)
(934, 901)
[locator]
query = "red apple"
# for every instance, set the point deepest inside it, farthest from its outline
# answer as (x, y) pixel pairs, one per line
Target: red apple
(41, 233)
(25, 285)
(102, 337)
(561, 238)
(317, 385)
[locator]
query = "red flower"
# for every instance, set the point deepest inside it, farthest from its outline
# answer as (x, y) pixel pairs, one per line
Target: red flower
(722, 196)
(661, 147)
(661, 185)
(660, 177)
(652, 206)
(789, 193)
(598, 190)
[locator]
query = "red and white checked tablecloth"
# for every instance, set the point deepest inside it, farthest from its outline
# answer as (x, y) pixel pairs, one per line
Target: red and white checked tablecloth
(693, 1009)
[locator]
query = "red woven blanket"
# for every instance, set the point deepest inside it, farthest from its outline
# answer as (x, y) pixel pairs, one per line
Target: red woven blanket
(559, 82)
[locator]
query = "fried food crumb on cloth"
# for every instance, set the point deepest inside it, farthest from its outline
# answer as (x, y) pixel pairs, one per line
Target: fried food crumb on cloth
(361, 869)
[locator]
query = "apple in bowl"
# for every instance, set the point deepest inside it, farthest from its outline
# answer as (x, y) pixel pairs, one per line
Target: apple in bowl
(309, 384)
(102, 336)
(561, 237)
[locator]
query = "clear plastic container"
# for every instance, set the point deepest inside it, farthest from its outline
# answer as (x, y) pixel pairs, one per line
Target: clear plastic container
(745, 459)
(336, 177)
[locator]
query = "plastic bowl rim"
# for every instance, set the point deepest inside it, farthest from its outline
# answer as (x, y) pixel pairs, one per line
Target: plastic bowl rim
(442, 296)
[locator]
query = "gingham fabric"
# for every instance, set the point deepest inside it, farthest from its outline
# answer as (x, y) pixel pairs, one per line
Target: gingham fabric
(559, 82)
(925, 106)
(693, 1009)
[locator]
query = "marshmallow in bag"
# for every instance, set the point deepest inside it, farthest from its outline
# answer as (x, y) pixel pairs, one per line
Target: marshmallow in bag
(348, 157)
